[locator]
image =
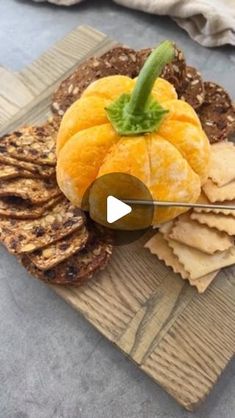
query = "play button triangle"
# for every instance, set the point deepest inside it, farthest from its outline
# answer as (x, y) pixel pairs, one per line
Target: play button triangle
(116, 209)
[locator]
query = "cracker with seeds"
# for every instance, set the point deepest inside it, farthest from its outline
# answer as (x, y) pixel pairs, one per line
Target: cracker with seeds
(11, 172)
(15, 207)
(222, 168)
(26, 236)
(219, 194)
(202, 237)
(123, 60)
(78, 268)
(159, 246)
(119, 60)
(36, 191)
(48, 257)
(192, 89)
(143, 55)
(38, 170)
(33, 144)
(197, 263)
(222, 223)
(217, 113)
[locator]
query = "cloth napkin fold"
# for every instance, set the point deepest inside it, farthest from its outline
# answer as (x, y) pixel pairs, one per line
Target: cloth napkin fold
(209, 22)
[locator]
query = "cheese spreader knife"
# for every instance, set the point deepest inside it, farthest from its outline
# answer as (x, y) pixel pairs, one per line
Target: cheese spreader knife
(161, 203)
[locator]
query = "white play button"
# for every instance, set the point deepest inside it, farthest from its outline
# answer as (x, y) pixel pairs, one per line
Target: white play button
(116, 209)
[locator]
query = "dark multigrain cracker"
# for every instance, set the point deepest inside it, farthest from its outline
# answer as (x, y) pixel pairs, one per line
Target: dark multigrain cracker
(119, 60)
(77, 269)
(35, 191)
(217, 95)
(37, 170)
(217, 114)
(192, 89)
(173, 72)
(26, 236)
(48, 257)
(72, 87)
(33, 144)
(142, 55)
(15, 207)
(10, 172)
(123, 60)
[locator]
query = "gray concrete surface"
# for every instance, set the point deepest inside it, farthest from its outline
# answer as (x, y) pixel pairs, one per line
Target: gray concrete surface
(53, 364)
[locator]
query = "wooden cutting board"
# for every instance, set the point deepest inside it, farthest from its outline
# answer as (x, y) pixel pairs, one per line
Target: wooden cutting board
(181, 339)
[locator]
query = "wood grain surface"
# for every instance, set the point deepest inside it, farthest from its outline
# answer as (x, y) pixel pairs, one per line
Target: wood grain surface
(181, 339)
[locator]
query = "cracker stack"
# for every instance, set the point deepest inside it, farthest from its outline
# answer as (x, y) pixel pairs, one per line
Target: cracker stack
(53, 239)
(198, 244)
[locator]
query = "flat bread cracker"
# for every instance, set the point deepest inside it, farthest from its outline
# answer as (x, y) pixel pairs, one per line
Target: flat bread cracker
(174, 72)
(26, 236)
(78, 268)
(220, 222)
(192, 90)
(165, 228)
(219, 194)
(39, 170)
(203, 199)
(36, 191)
(9, 172)
(199, 264)
(204, 282)
(159, 246)
(217, 113)
(119, 60)
(123, 60)
(15, 207)
(222, 169)
(196, 235)
(48, 257)
(31, 143)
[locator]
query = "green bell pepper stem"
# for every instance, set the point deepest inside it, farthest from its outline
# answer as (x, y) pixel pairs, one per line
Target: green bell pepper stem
(139, 112)
(151, 70)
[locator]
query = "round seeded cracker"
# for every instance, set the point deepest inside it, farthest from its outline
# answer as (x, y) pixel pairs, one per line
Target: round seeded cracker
(119, 60)
(192, 89)
(217, 114)
(122, 59)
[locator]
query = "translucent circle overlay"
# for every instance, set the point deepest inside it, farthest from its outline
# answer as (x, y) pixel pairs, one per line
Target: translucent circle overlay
(127, 189)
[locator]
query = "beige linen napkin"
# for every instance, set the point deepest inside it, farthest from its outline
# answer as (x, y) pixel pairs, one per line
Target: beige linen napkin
(209, 22)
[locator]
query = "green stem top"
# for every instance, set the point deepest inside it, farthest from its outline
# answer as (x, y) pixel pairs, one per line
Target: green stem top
(139, 112)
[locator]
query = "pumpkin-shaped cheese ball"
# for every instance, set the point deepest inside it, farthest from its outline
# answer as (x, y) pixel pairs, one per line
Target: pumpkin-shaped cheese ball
(137, 127)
